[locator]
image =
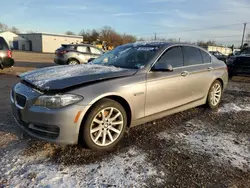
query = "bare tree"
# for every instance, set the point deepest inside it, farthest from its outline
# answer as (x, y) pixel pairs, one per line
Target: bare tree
(14, 30)
(3, 27)
(106, 34)
(248, 38)
(69, 33)
(206, 44)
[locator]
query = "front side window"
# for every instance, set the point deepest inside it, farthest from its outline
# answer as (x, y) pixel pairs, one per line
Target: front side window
(132, 57)
(172, 57)
(192, 56)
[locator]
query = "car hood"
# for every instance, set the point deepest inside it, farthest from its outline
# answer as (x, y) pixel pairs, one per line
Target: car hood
(58, 78)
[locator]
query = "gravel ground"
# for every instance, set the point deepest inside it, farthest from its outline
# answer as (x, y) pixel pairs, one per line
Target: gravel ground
(195, 148)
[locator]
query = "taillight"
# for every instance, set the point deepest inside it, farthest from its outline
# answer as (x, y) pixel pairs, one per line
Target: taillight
(9, 53)
(63, 52)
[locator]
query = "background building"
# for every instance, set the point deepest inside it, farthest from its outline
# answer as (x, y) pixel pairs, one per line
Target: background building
(15, 41)
(48, 42)
(39, 42)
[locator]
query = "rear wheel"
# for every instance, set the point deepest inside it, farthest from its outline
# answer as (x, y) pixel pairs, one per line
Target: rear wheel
(105, 125)
(214, 95)
(73, 62)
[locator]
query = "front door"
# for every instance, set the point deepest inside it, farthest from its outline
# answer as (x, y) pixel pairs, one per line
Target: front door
(167, 90)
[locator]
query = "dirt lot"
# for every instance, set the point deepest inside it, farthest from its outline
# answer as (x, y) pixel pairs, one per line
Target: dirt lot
(195, 148)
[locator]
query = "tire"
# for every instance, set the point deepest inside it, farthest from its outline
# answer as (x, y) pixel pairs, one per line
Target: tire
(95, 121)
(211, 101)
(73, 62)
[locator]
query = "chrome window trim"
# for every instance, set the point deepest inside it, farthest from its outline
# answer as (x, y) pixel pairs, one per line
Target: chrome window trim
(181, 45)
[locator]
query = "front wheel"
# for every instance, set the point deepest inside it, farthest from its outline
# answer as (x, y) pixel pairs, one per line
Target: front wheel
(105, 125)
(214, 95)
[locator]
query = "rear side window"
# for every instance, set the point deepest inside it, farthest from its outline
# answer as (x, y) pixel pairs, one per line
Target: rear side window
(172, 57)
(205, 56)
(95, 51)
(1, 46)
(192, 56)
(83, 49)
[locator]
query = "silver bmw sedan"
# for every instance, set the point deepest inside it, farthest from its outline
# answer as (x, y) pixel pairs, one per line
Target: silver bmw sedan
(95, 103)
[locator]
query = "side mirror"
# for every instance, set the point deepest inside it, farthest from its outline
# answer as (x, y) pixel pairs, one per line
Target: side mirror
(11, 48)
(162, 67)
(90, 59)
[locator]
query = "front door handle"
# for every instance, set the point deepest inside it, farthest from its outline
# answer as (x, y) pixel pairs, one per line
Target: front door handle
(184, 73)
(210, 68)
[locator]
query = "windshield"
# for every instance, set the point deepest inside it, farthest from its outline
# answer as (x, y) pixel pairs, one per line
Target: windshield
(245, 51)
(127, 57)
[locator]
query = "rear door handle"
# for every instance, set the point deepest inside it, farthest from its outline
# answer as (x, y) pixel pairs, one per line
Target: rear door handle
(184, 73)
(210, 68)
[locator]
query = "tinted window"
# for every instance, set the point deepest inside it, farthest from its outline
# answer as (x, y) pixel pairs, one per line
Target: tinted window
(192, 55)
(1, 46)
(95, 51)
(172, 57)
(83, 49)
(205, 56)
(246, 51)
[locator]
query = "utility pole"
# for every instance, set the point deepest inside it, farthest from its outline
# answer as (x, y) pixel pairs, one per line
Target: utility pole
(155, 36)
(179, 39)
(243, 35)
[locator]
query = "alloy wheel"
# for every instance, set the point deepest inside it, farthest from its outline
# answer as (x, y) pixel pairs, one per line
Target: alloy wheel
(215, 94)
(73, 62)
(106, 126)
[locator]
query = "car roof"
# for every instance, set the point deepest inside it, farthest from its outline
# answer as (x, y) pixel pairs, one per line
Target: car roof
(158, 44)
(78, 45)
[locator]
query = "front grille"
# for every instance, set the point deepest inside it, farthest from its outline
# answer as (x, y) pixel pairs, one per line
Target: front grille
(20, 100)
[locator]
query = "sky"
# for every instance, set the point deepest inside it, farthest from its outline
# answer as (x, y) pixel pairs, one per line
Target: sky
(142, 18)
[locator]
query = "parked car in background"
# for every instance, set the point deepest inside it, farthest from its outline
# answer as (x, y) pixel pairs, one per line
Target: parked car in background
(219, 55)
(73, 54)
(6, 59)
(239, 64)
(134, 83)
(235, 52)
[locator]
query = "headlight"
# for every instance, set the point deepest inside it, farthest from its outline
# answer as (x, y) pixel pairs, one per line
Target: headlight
(57, 101)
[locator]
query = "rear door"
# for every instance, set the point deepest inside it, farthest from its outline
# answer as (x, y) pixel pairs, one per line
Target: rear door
(200, 72)
(83, 53)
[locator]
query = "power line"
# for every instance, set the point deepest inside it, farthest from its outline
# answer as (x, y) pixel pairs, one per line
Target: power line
(212, 37)
(191, 30)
